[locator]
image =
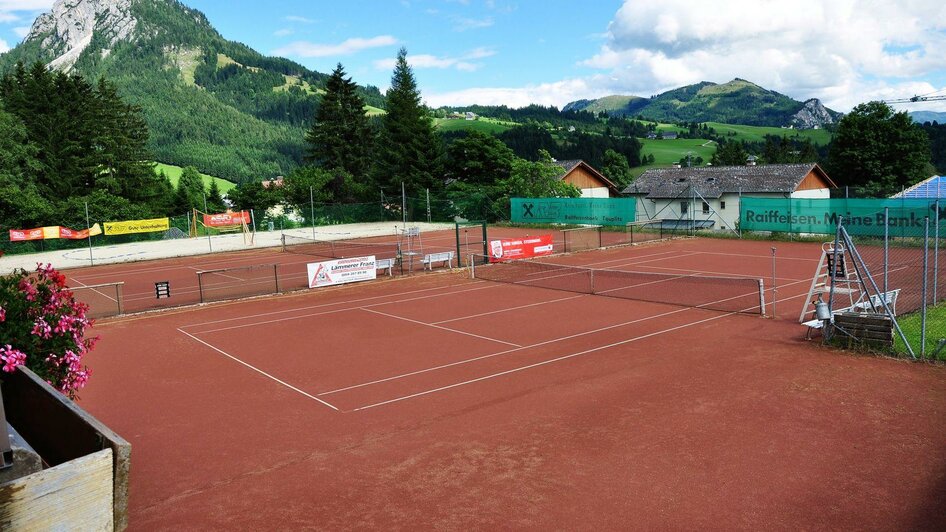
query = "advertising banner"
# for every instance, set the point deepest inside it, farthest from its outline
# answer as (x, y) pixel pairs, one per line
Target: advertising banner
(137, 226)
(574, 211)
(226, 219)
(520, 248)
(52, 231)
(863, 217)
(342, 271)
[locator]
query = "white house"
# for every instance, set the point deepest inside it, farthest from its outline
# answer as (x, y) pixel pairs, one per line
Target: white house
(708, 196)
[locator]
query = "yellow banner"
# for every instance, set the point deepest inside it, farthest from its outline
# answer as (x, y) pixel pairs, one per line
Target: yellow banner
(137, 226)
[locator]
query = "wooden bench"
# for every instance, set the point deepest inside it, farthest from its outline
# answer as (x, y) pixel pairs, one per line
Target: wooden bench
(445, 257)
(890, 298)
(385, 264)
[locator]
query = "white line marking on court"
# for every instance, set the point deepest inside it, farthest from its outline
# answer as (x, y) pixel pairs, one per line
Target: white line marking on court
(539, 344)
(508, 309)
(537, 364)
(309, 315)
(261, 372)
(366, 309)
(335, 303)
(506, 352)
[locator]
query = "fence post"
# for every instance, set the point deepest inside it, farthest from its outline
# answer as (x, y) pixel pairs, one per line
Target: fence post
(312, 212)
(926, 271)
(936, 252)
(886, 245)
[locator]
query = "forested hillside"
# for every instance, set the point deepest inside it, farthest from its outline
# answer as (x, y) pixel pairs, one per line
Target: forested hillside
(208, 102)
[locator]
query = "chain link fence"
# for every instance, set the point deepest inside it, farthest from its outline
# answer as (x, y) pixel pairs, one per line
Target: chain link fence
(904, 264)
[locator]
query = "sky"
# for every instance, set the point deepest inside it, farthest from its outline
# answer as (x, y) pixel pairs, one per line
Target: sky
(551, 52)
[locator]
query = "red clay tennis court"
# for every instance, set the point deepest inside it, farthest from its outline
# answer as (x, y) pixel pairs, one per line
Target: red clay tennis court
(449, 402)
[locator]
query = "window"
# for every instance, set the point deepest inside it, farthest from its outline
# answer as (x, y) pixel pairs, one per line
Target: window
(722, 205)
(683, 207)
(705, 208)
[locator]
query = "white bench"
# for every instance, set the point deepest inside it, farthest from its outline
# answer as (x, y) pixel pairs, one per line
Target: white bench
(445, 257)
(890, 297)
(385, 264)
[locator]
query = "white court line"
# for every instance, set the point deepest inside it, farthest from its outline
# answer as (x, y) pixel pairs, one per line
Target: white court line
(509, 309)
(537, 364)
(335, 303)
(290, 318)
(261, 372)
(544, 362)
(439, 327)
(539, 344)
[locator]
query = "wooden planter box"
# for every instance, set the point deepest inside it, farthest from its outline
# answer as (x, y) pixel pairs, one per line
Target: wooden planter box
(85, 486)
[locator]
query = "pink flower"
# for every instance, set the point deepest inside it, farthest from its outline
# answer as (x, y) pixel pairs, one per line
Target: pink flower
(11, 358)
(3, 315)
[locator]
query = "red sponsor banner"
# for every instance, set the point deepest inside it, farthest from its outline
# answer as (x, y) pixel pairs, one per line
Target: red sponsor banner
(519, 248)
(72, 234)
(226, 219)
(52, 231)
(23, 235)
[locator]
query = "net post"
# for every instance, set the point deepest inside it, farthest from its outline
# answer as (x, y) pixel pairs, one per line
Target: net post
(119, 296)
(762, 296)
(599, 236)
(592, 276)
(472, 266)
(200, 286)
(276, 277)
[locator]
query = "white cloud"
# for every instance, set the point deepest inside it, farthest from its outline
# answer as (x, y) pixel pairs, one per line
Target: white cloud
(21, 31)
(844, 51)
(4, 46)
(557, 94)
(347, 47)
(296, 18)
(461, 63)
(283, 32)
(6, 18)
(464, 23)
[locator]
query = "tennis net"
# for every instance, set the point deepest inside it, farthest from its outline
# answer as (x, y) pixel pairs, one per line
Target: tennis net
(338, 249)
(726, 294)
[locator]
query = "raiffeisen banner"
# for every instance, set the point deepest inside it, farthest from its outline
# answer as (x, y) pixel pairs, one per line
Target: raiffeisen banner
(904, 217)
(573, 211)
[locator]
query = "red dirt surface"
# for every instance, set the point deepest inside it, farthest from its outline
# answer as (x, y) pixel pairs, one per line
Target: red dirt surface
(509, 407)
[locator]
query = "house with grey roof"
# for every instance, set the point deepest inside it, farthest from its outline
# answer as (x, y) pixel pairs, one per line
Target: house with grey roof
(707, 197)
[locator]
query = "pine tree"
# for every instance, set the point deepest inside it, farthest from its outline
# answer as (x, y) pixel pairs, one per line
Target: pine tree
(215, 201)
(340, 136)
(190, 191)
(409, 151)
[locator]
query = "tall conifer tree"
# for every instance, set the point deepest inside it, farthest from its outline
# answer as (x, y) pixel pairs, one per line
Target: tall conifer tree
(340, 137)
(409, 151)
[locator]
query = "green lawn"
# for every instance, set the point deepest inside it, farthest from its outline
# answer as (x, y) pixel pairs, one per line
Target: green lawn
(910, 324)
(757, 133)
(483, 125)
(174, 174)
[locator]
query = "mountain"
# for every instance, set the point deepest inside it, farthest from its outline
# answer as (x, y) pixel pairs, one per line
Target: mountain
(921, 117)
(209, 102)
(736, 102)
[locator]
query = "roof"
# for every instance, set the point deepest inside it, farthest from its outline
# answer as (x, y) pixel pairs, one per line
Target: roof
(934, 187)
(714, 181)
(571, 164)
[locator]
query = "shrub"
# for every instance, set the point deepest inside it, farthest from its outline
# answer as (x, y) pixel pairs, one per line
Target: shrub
(43, 327)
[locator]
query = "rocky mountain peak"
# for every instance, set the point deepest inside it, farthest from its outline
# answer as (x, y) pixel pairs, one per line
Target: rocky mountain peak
(812, 115)
(67, 30)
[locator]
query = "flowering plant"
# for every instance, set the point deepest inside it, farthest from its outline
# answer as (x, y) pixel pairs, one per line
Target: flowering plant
(43, 327)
